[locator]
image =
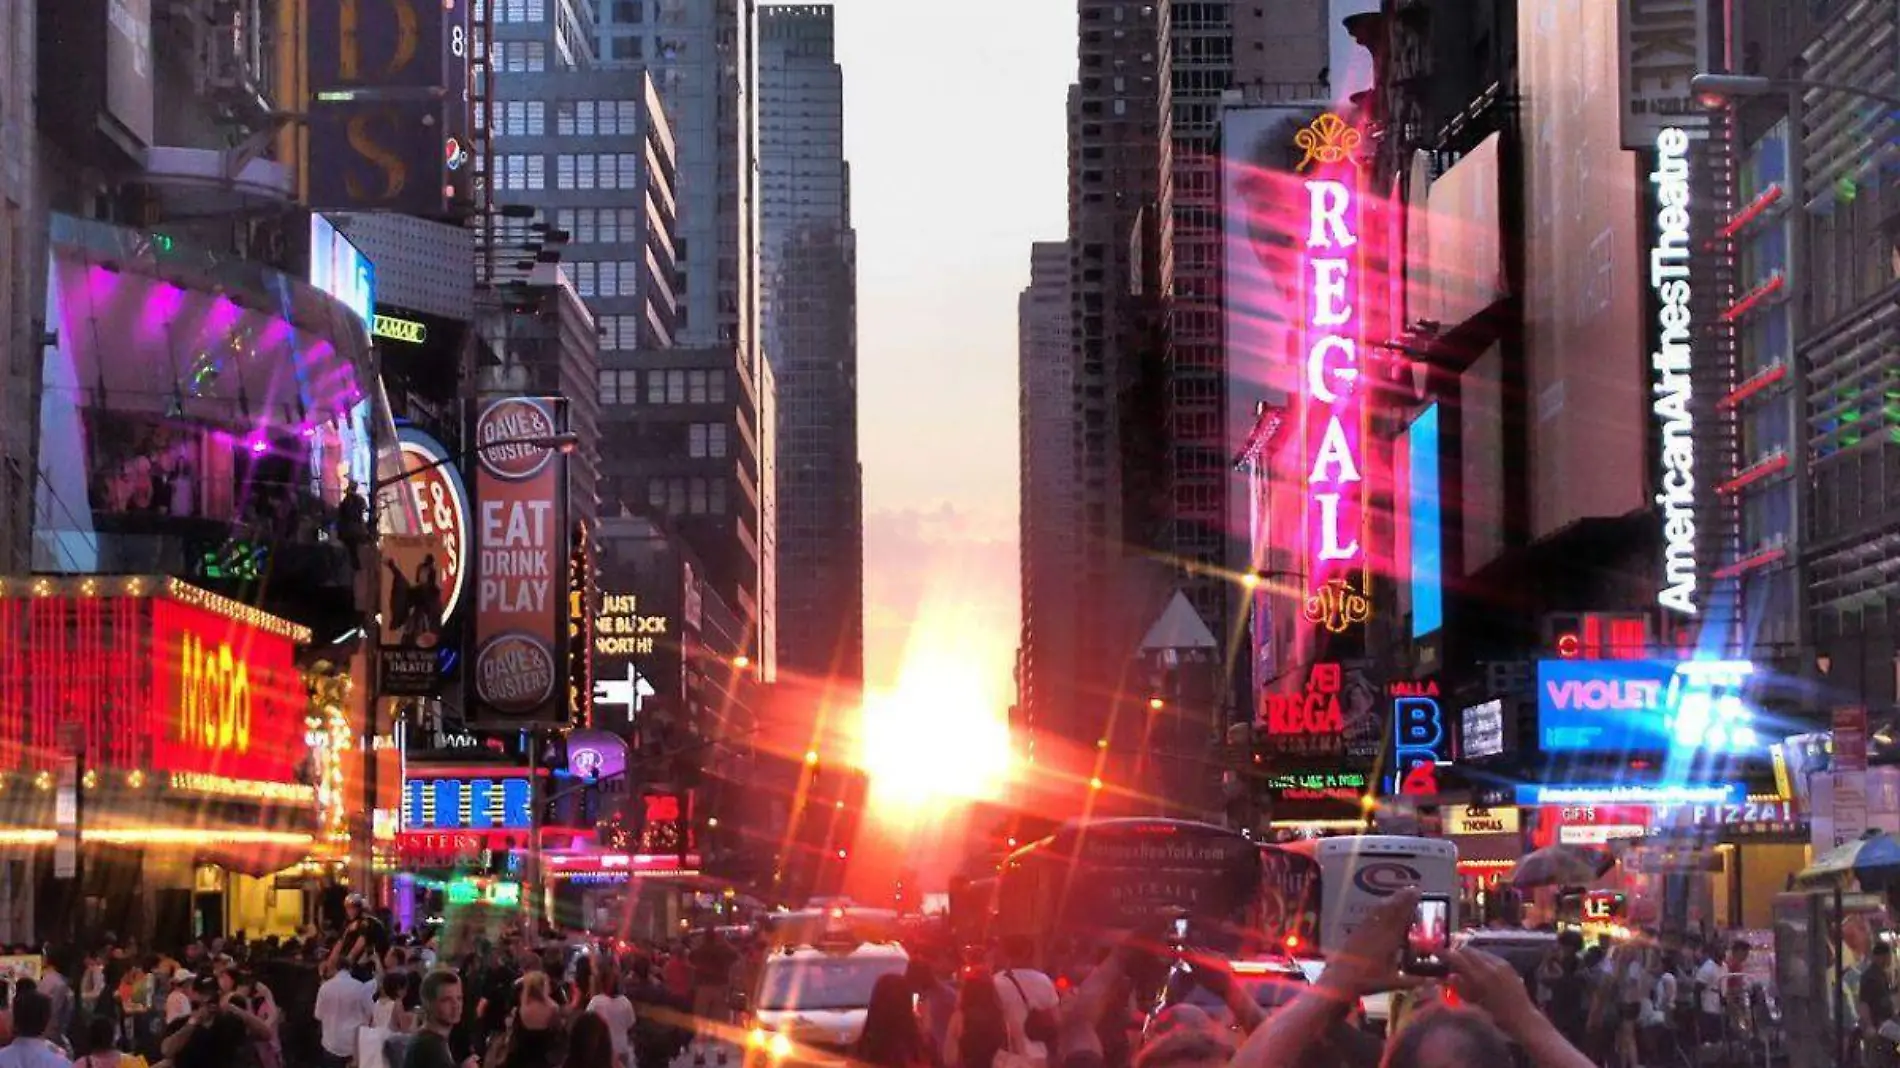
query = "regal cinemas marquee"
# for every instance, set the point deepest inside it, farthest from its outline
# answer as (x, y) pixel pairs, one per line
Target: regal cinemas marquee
(187, 713)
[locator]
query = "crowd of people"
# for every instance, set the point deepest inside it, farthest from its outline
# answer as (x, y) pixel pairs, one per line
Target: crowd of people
(362, 998)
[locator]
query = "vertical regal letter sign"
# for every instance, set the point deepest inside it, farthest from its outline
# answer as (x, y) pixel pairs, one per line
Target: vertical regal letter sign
(1333, 407)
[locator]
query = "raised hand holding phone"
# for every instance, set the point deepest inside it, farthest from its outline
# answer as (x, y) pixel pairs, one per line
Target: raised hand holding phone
(1428, 939)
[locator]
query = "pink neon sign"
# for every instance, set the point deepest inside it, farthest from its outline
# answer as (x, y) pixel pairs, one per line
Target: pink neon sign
(1333, 408)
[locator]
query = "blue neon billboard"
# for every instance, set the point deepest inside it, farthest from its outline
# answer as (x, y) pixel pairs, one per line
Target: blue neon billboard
(1427, 528)
(1622, 706)
(467, 804)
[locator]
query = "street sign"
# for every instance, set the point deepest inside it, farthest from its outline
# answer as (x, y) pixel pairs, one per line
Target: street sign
(630, 694)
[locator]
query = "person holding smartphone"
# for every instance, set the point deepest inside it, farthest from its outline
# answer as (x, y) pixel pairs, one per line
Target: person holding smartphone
(1440, 1036)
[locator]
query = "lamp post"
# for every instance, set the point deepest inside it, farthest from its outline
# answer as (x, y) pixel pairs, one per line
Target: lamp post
(365, 850)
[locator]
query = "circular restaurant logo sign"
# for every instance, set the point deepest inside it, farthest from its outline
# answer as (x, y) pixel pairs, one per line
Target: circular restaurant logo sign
(1385, 878)
(436, 503)
(514, 674)
(511, 421)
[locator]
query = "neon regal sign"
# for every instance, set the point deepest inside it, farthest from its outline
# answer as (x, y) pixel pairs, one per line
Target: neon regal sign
(1334, 413)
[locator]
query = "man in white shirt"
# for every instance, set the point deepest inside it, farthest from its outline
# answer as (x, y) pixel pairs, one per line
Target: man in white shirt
(344, 1004)
(178, 1001)
(1025, 992)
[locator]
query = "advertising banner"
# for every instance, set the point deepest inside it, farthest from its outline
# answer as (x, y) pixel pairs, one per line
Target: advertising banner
(1663, 44)
(388, 104)
(1481, 730)
(414, 596)
(432, 502)
(1331, 795)
(231, 694)
(1630, 706)
(521, 578)
(1474, 819)
(1850, 738)
(340, 269)
(1421, 742)
(1335, 714)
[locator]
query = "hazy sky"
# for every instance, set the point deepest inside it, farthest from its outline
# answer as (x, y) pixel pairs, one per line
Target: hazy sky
(954, 125)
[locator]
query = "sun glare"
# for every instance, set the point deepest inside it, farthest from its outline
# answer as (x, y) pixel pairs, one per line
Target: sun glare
(940, 737)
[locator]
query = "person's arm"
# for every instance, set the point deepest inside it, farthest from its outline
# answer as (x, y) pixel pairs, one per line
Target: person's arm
(1494, 986)
(1078, 1022)
(254, 1025)
(174, 1043)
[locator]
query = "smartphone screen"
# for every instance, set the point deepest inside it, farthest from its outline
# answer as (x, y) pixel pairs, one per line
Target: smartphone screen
(1430, 936)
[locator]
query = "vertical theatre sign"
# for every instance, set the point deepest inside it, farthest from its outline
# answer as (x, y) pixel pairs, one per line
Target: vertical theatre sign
(522, 557)
(1672, 362)
(1334, 410)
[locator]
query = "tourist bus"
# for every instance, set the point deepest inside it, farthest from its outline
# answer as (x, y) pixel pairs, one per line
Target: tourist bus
(1093, 882)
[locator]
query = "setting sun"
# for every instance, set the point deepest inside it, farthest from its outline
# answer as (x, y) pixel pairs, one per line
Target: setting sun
(940, 736)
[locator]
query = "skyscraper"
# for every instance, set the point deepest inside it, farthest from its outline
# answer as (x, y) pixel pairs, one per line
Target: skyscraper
(1047, 515)
(1118, 158)
(1277, 50)
(702, 58)
(808, 261)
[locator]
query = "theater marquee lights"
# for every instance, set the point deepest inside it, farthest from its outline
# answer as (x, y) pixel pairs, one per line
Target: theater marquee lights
(1672, 362)
(1334, 411)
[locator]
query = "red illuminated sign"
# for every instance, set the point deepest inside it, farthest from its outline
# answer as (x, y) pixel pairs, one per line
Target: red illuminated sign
(156, 676)
(227, 698)
(1334, 412)
(440, 847)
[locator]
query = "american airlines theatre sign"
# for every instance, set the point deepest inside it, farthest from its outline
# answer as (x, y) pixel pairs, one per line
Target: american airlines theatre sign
(1672, 362)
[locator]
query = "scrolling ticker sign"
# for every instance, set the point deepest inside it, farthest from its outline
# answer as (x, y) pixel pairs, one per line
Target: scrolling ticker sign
(521, 578)
(388, 106)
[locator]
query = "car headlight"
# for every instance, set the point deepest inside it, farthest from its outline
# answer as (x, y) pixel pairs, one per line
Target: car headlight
(757, 1038)
(779, 1046)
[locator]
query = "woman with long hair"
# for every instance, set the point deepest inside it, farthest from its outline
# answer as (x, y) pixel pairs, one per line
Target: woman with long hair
(534, 1030)
(592, 1044)
(892, 1037)
(979, 1030)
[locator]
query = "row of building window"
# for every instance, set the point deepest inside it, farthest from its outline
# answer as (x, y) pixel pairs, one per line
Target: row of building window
(587, 226)
(687, 496)
(597, 170)
(608, 278)
(521, 10)
(618, 332)
(521, 57)
(589, 118)
(663, 386)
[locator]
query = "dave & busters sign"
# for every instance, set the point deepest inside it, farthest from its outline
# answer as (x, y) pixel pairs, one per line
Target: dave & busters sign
(521, 563)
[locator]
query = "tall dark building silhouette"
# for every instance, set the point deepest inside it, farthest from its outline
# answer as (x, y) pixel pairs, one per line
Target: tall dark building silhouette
(808, 263)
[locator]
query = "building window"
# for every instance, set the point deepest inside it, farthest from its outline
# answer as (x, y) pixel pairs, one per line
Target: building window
(696, 441)
(585, 179)
(564, 117)
(656, 387)
(629, 48)
(537, 171)
(537, 117)
(628, 11)
(656, 494)
(584, 118)
(564, 179)
(698, 388)
(629, 113)
(609, 279)
(718, 502)
(537, 10)
(716, 388)
(676, 496)
(609, 226)
(696, 504)
(629, 279)
(716, 440)
(584, 278)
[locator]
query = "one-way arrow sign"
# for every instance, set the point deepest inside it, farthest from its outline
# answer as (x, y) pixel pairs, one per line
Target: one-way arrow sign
(631, 694)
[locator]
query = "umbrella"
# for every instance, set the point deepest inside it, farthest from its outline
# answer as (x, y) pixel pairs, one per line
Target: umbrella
(1873, 862)
(1562, 865)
